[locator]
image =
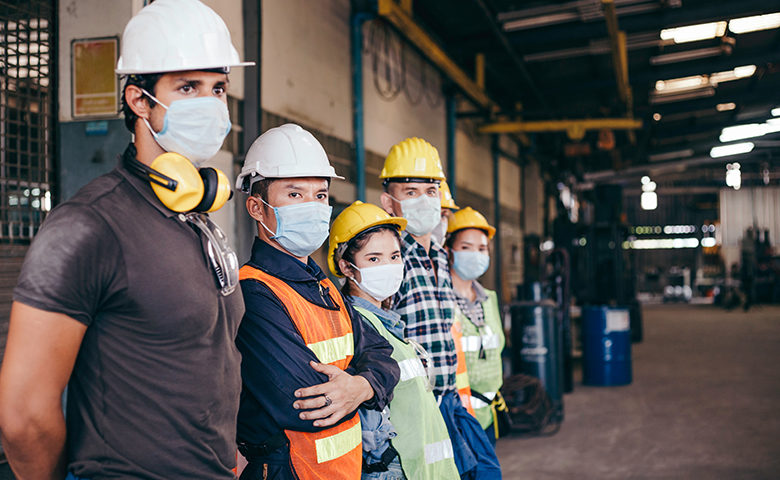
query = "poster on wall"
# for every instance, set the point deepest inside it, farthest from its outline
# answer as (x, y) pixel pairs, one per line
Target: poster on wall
(94, 83)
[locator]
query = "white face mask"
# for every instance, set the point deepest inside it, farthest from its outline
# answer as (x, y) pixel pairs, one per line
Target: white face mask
(193, 127)
(381, 281)
(439, 232)
(422, 214)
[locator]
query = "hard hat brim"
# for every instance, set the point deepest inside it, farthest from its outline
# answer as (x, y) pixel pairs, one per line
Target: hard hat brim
(142, 71)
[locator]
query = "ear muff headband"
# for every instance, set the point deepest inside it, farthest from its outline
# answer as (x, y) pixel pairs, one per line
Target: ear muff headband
(180, 186)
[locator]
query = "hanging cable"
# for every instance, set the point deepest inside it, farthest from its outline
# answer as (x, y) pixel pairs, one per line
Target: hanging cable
(381, 43)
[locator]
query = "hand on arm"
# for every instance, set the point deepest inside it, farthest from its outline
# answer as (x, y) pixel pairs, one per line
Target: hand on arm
(346, 392)
(39, 357)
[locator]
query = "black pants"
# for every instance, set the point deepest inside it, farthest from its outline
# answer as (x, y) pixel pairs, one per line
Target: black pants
(275, 466)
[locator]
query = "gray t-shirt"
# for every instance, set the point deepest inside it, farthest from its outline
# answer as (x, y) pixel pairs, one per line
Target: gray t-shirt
(155, 389)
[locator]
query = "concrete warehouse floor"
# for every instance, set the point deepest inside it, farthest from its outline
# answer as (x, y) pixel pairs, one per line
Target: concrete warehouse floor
(703, 405)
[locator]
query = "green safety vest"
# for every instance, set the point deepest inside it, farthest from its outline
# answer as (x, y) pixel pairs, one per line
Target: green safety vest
(423, 442)
(486, 373)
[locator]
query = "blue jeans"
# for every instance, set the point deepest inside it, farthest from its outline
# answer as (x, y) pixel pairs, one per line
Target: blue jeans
(474, 456)
(393, 472)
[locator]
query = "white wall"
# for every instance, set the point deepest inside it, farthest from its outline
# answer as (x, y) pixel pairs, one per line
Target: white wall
(85, 19)
(306, 68)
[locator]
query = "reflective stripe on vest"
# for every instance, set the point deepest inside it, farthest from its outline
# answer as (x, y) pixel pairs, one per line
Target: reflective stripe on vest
(478, 403)
(411, 368)
(461, 373)
(335, 452)
(436, 452)
(487, 341)
(485, 370)
(423, 442)
(332, 447)
(334, 349)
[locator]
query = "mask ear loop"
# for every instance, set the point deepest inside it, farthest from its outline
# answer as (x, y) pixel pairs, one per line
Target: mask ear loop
(146, 122)
(273, 234)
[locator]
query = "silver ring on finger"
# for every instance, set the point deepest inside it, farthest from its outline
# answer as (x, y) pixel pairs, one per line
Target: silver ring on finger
(328, 401)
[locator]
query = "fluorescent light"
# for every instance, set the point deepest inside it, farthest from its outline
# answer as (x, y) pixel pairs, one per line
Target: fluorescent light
(649, 200)
(755, 23)
(733, 149)
(729, 75)
(660, 157)
(687, 55)
(658, 98)
(693, 33)
(664, 243)
(725, 107)
(678, 84)
(708, 242)
(776, 112)
(741, 132)
(750, 130)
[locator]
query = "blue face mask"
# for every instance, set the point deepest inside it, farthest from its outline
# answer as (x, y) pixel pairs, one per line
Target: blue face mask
(470, 265)
(301, 228)
(193, 127)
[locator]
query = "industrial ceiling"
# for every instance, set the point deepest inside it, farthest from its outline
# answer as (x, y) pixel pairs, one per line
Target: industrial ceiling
(561, 61)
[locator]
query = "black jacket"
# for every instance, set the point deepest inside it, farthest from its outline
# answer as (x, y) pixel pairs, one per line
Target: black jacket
(276, 360)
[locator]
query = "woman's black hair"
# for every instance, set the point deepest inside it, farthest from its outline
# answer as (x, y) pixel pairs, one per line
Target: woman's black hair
(356, 243)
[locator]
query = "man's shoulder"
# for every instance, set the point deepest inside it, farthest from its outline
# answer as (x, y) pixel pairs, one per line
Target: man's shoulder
(94, 193)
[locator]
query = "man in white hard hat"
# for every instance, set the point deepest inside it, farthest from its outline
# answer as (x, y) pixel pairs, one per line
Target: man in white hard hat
(126, 296)
(308, 361)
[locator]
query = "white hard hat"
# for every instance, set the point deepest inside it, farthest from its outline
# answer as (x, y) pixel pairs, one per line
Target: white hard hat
(176, 35)
(288, 151)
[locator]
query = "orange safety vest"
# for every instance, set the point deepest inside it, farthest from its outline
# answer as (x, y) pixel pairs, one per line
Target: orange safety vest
(462, 382)
(336, 452)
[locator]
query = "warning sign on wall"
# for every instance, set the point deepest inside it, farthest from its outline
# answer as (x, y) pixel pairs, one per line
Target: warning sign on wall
(95, 87)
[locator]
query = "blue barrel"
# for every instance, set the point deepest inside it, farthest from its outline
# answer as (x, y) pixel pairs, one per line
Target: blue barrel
(536, 346)
(606, 346)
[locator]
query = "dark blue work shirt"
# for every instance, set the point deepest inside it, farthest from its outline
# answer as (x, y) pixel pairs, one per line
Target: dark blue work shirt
(275, 359)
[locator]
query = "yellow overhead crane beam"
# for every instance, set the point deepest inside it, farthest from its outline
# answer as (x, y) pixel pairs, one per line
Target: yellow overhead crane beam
(401, 20)
(574, 128)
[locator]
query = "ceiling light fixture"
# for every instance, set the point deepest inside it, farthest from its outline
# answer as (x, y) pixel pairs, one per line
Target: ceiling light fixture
(694, 33)
(776, 112)
(725, 107)
(733, 149)
(743, 71)
(755, 23)
(750, 130)
(686, 55)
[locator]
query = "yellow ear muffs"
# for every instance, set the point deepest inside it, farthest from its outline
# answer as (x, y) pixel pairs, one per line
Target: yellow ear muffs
(216, 190)
(181, 187)
(188, 189)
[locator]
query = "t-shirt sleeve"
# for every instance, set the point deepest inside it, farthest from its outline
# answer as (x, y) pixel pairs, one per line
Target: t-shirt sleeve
(72, 266)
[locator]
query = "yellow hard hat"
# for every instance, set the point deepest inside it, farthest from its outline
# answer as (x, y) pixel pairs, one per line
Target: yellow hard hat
(446, 196)
(469, 218)
(355, 219)
(413, 158)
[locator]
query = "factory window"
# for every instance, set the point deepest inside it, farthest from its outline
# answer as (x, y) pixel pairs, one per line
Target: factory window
(26, 118)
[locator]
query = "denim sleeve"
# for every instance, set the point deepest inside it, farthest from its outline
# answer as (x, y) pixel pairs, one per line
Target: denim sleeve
(377, 432)
(373, 362)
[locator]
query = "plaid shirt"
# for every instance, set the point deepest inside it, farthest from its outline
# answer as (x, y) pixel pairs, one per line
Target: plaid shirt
(473, 310)
(426, 303)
